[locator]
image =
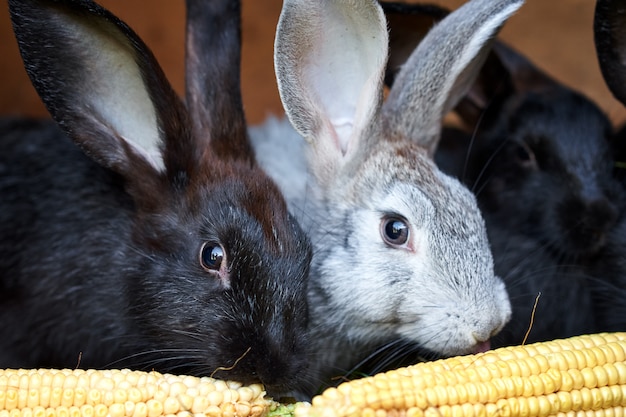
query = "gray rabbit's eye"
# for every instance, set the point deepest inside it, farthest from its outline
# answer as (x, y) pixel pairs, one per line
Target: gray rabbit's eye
(211, 256)
(395, 231)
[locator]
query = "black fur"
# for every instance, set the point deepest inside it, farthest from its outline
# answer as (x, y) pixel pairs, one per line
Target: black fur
(618, 146)
(100, 257)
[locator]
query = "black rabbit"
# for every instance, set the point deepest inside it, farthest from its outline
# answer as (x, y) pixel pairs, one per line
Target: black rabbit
(167, 248)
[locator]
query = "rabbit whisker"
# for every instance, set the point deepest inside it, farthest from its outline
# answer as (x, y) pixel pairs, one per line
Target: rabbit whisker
(484, 169)
(150, 359)
(472, 142)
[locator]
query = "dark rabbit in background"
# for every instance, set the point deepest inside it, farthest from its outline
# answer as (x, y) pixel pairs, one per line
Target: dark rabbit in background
(537, 155)
(167, 248)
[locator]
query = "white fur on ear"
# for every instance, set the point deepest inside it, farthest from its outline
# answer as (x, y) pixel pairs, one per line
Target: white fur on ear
(115, 93)
(330, 58)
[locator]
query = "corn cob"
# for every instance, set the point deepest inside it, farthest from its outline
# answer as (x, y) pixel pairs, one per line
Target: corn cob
(583, 376)
(117, 393)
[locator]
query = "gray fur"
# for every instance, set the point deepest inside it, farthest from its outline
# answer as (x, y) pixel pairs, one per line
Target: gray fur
(438, 290)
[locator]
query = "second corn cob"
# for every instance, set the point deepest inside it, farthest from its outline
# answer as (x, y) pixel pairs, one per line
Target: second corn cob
(583, 376)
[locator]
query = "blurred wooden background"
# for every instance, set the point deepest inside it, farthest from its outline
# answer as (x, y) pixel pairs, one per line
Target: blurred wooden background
(556, 35)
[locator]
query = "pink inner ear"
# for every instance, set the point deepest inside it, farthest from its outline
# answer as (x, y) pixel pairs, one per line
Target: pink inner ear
(343, 128)
(117, 90)
(345, 52)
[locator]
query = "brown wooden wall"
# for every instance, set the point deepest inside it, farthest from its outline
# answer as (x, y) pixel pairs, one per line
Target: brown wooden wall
(556, 34)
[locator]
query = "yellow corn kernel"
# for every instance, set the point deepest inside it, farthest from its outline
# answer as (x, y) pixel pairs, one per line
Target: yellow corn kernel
(578, 377)
(583, 376)
(123, 393)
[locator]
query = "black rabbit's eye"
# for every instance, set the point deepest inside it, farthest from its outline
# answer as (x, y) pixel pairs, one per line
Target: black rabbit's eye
(525, 155)
(211, 256)
(395, 231)
(522, 154)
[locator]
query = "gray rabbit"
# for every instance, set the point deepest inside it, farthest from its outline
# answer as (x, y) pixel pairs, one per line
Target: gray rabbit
(537, 155)
(400, 249)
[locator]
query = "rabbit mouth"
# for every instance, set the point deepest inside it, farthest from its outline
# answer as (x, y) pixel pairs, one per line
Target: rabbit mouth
(482, 347)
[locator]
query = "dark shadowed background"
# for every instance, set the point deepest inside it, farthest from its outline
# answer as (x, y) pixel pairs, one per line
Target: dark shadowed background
(555, 34)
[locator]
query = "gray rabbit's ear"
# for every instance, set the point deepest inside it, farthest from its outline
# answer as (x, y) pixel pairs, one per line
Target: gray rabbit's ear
(330, 59)
(99, 81)
(442, 68)
(610, 38)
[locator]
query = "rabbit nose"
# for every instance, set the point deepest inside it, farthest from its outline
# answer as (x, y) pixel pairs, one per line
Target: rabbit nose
(602, 214)
(599, 218)
(482, 337)
(597, 211)
(586, 222)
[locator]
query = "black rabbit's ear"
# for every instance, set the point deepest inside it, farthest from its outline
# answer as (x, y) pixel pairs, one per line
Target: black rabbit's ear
(504, 74)
(101, 84)
(493, 85)
(213, 59)
(408, 24)
(610, 38)
(524, 75)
